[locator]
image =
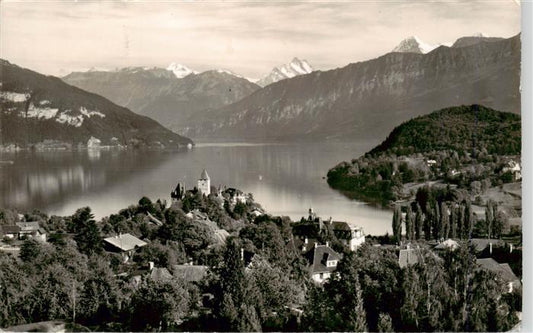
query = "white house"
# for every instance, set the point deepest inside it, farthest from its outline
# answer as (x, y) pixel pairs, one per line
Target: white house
(322, 262)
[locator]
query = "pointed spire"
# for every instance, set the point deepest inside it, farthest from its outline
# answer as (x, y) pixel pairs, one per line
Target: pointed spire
(204, 175)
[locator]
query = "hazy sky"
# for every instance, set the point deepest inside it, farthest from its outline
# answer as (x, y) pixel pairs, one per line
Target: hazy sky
(249, 38)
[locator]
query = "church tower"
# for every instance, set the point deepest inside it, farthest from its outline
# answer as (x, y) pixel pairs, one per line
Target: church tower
(204, 183)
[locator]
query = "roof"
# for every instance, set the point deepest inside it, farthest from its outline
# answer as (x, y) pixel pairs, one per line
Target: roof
(447, 244)
(318, 256)
(341, 225)
(408, 257)
(300, 244)
(204, 175)
(190, 273)
(160, 274)
(503, 270)
(125, 242)
(9, 229)
(482, 243)
(28, 226)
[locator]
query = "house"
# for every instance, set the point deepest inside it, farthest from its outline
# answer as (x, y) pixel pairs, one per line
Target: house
(513, 167)
(448, 244)
(204, 183)
(480, 244)
(236, 196)
(31, 230)
(125, 244)
(10, 231)
(350, 235)
(505, 274)
(409, 257)
(322, 262)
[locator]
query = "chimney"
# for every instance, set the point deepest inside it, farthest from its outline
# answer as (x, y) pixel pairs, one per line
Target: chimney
(151, 265)
(327, 243)
(242, 254)
(510, 248)
(306, 240)
(490, 248)
(316, 244)
(408, 246)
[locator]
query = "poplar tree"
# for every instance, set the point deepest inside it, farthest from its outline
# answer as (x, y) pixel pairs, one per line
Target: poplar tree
(419, 223)
(397, 224)
(489, 218)
(409, 224)
(445, 220)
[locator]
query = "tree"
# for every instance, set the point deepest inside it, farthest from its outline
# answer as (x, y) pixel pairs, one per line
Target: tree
(99, 296)
(489, 218)
(500, 223)
(428, 222)
(358, 315)
(87, 234)
(436, 221)
(158, 305)
(385, 323)
(419, 222)
(409, 224)
(231, 285)
(453, 222)
(445, 221)
(397, 224)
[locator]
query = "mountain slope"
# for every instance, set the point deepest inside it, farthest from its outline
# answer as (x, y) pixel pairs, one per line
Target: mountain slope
(366, 100)
(448, 137)
(160, 94)
(35, 108)
(294, 68)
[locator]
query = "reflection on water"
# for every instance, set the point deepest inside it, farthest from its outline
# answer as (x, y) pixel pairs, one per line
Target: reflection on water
(285, 179)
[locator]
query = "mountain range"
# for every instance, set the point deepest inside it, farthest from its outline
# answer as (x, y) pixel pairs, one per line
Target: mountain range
(167, 95)
(35, 109)
(365, 100)
(294, 68)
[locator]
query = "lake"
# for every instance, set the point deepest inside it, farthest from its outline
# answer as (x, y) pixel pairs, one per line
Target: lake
(286, 179)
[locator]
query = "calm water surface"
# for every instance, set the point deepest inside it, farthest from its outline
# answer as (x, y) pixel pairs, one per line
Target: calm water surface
(284, 179)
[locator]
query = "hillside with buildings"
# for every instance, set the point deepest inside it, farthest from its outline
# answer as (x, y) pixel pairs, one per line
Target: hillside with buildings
(187, 265)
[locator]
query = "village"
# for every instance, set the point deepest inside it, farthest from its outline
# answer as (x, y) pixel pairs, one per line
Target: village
(141, 245)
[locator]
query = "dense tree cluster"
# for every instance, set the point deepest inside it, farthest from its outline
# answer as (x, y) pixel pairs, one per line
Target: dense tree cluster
(371, 293)
(468, 146)
(257, 279)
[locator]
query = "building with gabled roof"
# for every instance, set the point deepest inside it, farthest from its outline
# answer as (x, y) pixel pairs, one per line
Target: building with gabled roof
(409, 257)
(350, 235)
(125, 244)
(322, 262)
(10, 231)
(504, 273)
(190, 273)
(31, 230)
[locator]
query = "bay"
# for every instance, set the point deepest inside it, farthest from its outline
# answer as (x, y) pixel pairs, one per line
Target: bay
(286, 179)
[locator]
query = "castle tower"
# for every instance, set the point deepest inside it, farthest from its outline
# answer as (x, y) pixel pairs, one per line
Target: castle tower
(204, 183)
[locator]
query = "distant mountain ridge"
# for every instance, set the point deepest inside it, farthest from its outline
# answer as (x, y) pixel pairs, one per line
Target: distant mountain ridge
(167, 95)
(36, 108)
(294, 68)
(365, 100)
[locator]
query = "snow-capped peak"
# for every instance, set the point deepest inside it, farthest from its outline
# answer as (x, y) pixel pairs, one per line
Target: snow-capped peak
(294, 68)
(180, 71)
(414, 44)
